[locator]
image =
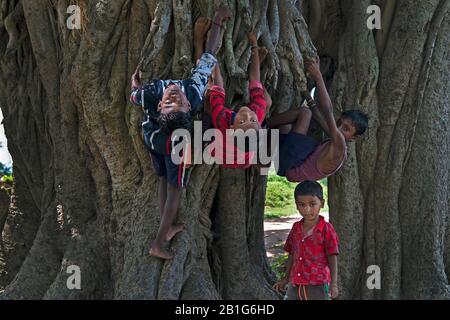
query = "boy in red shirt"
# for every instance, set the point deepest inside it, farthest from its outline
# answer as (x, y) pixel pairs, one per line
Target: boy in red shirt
(247, 118)
(312, 244)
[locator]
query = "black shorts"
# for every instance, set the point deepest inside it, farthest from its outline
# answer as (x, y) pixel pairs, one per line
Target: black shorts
(158, 145)
(176, 175)
(294, 148)
(157, 141)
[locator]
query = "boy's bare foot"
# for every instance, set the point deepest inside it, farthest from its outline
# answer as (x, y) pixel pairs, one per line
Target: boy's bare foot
(158, 252)
(201, 27)
(174, 229)
(262, 52)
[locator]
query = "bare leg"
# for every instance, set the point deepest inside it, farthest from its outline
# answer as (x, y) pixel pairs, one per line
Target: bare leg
(284, 118)
(170, 210)
(162, 194)
(301, 125)
(212, 42)
(297, 120)
(201, 27)
(173, 230)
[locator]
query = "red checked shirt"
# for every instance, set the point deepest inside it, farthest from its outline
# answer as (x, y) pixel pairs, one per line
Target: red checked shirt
(229, 155)
(310, 265)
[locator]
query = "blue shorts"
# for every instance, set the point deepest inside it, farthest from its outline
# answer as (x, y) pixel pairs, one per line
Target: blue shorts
(294, 148)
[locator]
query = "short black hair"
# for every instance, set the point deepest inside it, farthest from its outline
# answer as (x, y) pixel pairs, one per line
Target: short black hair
(309, 188)
(359, 120)
(175, 120)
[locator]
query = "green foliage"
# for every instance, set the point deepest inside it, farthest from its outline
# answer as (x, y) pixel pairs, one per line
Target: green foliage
(280, 200)
(279, 197)
(278, 265)
(7, 180)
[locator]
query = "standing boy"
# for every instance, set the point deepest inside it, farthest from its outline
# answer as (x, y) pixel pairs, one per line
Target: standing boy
(312, 244)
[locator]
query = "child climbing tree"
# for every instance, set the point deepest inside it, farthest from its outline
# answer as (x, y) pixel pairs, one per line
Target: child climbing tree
(87, 192)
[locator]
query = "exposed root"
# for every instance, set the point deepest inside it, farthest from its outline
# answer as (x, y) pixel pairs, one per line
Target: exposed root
(10, 24)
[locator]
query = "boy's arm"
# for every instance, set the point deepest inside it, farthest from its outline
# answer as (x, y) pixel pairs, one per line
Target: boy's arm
(147, 95)
(324, 102)
(212, 43)
(221, 116)
(201, 27)
(332, 251)
(136, 78)
(280, 285)
(333, 265)
(258, 102)
(288, 247)
(254, 73)
(217, 79)
(288, 265)
(317, 115)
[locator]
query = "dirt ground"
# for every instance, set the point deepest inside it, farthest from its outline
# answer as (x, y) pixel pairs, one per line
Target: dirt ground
(275, 234)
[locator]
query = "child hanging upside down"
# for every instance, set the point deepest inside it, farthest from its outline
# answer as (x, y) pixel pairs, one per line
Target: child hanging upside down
(170, 105)
(248, 118)
(300, 156)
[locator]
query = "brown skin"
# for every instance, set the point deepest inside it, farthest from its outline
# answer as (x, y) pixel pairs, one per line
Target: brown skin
(245, 118)
(333, 264)
(332, 156)
(212, 44)
(309, 208)
(298, 120)
(166, 230)
(201, 28)
(281, 285)
(173, 100)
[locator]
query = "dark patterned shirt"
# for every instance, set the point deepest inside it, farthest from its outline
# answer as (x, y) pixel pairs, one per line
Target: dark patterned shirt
(150, 94)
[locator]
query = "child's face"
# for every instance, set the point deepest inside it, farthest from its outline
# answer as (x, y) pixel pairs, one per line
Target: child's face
(309, 206)
(173, 100)
(347, 128)
(245, 119)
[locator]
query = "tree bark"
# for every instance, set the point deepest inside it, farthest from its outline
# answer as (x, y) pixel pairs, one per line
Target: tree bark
(85, 191)
(85, 179)
(390, 201)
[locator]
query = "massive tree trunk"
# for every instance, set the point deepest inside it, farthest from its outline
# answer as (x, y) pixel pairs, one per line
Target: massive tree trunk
(86, 193)
(390, 203)
(85, 188)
